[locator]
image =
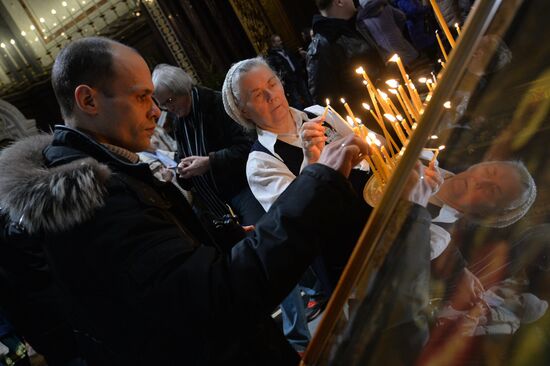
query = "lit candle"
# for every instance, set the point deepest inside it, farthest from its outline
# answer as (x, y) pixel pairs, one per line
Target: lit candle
(389, 160)
(442, 63)
(395, 58)
(370, 87)
(386, 168)
(441, 47)
(387, 135)
(457, 28)
(436, 152)
(326, 108)
(404, 125)
(372, 94)
(348, 109)
(408, 116)
(416, 98)
(379, 161)
(382, 100)
(408, 103)
(396, 128)
(442, 23)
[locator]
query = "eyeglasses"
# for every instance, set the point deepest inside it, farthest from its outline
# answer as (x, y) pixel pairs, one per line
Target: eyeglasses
(167, 103)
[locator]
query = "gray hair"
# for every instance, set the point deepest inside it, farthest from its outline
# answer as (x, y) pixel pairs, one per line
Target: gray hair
(231, 90)
(518, 208)
(172, 78)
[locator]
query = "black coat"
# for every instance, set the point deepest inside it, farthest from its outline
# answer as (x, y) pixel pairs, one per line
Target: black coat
(227, 144)
(145, 284)
(334, 53)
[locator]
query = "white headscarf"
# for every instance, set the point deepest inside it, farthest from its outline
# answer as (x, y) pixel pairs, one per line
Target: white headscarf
(230, 89)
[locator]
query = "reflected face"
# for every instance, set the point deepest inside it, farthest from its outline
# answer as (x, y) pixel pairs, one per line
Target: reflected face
(127, 115)
(482, 55)
(263, 99)
(483, 189)
(277, 43)
(180, 105)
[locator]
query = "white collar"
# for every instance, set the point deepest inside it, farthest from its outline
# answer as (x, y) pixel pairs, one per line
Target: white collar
(447, 214)
(268, 138)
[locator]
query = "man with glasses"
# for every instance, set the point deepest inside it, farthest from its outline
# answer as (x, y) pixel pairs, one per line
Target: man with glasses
(212, 148)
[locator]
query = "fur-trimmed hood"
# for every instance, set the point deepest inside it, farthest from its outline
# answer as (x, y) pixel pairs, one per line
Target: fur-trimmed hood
(44, 199)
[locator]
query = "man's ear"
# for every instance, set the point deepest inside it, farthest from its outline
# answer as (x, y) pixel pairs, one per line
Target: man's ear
(85, 99)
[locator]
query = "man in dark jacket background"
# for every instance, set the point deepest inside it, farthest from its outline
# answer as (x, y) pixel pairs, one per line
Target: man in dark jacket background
(143, 281)
(336, 50)
(291, 70)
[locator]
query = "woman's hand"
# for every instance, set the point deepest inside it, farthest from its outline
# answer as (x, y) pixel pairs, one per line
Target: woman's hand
(313, 139)
(343, 154)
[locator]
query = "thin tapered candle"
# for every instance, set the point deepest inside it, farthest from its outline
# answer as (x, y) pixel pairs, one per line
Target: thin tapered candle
(441, 47)
(442, 23)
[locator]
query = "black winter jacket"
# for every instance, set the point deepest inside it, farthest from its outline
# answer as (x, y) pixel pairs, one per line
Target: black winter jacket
(144, 283)
(334, 53)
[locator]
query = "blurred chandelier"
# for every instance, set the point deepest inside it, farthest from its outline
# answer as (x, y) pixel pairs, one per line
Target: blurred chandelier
(32, 32)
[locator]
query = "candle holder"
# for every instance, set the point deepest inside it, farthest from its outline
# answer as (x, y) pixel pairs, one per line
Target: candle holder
(373, 191)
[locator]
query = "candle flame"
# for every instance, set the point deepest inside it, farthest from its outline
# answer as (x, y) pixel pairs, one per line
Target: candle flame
(23, 33)
(53, 12)
(389, 117)
(350, 121)
(12, 41)
(447, 104)
(358, 120)
(32, 27)
(434, 137)
(3, 45)
(414, 125)
(384, 95)
(342, 100)
(327, 101)
(42, 20)
(392, 83)
(366, 106)
(64, 3)
(428, 97)
(393, 91)
(360, 70)
(456, 25)
(399, 117)
(394, 58)
(365, 82)
(423, 80)
(441, 147)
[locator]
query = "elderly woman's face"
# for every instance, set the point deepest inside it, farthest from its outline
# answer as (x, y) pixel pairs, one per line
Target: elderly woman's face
(263, 99)
(484, 188)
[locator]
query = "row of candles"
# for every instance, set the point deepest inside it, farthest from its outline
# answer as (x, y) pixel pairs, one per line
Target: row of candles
(384, 157)
(402, 120)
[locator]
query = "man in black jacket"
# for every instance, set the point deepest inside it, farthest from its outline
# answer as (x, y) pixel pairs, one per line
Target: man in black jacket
(144, 283)
(291, 70)
(336, 50)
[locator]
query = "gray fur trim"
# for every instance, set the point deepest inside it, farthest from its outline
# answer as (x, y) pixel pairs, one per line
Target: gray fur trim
(46, 199)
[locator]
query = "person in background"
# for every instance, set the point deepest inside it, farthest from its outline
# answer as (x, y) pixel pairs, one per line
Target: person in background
(291, 71)
(212, 148)
(336, 50)
(386, 24)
